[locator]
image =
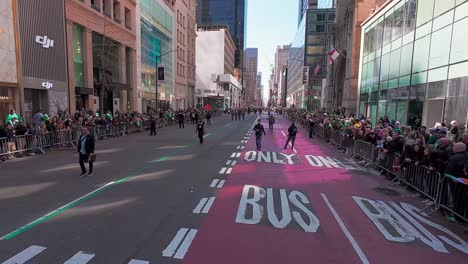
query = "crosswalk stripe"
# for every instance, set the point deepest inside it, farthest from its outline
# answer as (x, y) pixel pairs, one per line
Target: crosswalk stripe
(171, 248)
(228, 162)
(208, 205)
(234, 162)
(180, 254)
(80, 258)
(229, 171)
(214, 182)
(25, 255)
(220, 184)
(242, 147)
(137, 261)
(223, 170)
(239, 147)
(233, 155)
(238, 154)
(200, 205)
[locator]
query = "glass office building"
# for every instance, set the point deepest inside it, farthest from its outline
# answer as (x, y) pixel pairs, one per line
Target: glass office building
(414, 62)
(231, 13)
(156, 40)
(309, 49)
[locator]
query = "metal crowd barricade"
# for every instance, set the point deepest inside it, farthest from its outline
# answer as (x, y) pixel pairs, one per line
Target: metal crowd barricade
(364, 150)
(423, 179)
(453, 197)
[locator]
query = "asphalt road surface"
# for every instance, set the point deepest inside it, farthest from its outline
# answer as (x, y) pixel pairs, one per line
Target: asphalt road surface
(168, 199)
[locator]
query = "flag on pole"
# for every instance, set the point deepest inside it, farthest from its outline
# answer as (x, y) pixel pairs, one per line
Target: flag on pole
(316, 70)
(333, 55)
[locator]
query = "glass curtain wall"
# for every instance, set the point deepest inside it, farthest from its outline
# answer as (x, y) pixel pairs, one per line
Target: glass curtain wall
(414, 63)
(156, 47)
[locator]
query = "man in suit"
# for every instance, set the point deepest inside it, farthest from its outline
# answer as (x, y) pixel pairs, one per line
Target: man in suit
(86, 151)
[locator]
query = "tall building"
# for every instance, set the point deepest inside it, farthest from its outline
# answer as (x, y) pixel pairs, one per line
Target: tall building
(304, 5)
(230, 13)
(10, 90)
(414, 56)
(215, 83)
(281, 62)
(342, 79)
(308, 56)
(101, 54)
(185, 55)
(250, 76)
(155, 45)
(43, 64)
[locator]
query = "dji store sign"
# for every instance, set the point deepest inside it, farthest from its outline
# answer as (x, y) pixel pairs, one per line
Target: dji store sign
(45, 42)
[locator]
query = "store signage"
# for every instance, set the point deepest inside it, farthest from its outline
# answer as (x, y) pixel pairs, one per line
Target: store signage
(45, 42)
(4, 98)
(305, 75)
(47, 85)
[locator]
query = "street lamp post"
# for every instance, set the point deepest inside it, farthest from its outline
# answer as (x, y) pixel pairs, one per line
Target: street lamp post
(157, 77)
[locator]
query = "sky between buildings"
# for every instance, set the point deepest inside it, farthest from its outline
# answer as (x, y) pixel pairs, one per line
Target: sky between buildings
(270, 23)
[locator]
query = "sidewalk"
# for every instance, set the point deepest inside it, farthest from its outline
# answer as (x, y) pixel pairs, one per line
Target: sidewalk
(313, 204)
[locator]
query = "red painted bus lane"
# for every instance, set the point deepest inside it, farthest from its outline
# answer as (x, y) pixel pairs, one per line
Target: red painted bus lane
(312, 204)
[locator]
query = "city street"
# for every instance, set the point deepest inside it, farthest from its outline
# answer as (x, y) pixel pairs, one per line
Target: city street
(168, 199)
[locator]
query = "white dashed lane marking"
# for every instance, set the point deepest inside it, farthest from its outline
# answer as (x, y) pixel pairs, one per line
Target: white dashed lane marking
(180, 244)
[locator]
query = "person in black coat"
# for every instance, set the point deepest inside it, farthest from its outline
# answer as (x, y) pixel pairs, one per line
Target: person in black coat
(292, 132)
(200, 130)
(181, 118)
(153, 126)
(457, 161)
(85, 149)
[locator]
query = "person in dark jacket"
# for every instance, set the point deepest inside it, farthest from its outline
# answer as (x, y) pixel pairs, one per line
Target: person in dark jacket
(153, 126)
(311, 126)
(441, 155)
(85, 149)
(200, 130)
(181, 118)
(292, 132)
(457, 161)
(396, 145)
(259, 131)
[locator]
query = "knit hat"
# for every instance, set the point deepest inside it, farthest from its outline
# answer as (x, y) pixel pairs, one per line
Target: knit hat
(459, 147)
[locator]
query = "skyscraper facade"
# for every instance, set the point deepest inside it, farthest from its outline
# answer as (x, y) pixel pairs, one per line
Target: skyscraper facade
(231, 13)
(250, 76)
(281, 62)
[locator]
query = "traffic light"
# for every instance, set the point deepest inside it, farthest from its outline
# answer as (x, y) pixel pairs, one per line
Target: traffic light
(160, 73)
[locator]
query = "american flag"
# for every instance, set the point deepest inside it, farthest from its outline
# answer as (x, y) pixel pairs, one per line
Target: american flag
(316, 69)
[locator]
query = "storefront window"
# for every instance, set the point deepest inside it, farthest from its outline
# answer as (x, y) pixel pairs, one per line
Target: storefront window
(406, 58)
(394, 64)
(78, 55)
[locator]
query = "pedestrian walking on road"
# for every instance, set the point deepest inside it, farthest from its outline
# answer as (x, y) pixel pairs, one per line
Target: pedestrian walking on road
(200, 130)
(86, 145)
(243, 114)
(259, 132)
(153, 126)
(292, 130)
(271, 122)
(311, 126)
(181, 119)
(208, 118)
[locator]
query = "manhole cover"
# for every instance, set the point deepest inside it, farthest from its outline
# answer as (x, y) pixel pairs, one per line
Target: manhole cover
(387, 191)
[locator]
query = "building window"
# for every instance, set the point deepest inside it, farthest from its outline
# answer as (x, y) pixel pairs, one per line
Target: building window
(78, 55)
(107, 8)
(95, 5)
(117, 16)
(128, 18)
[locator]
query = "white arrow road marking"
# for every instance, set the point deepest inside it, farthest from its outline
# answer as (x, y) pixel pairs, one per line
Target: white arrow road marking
(25, 255)
(223, 170)
(346, 231)
(80, 258)
(136, 261)
(180, 244)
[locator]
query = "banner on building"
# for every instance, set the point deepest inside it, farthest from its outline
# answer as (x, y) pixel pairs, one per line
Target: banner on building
(305, 75)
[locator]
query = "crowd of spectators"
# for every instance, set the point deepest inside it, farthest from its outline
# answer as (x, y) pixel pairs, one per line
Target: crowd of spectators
(14, 126)
(441, 148)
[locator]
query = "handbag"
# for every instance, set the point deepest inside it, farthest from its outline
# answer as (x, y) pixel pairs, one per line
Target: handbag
(92, 157)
